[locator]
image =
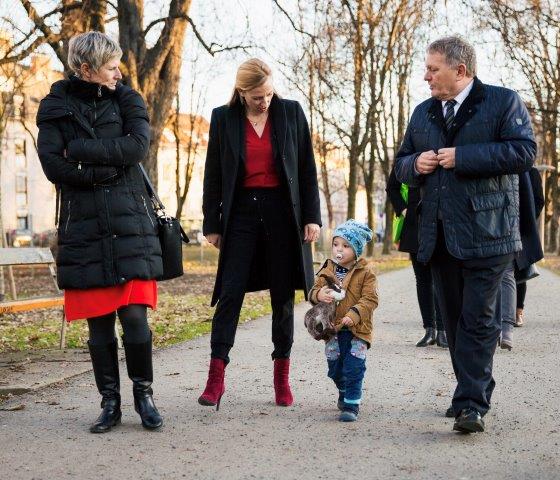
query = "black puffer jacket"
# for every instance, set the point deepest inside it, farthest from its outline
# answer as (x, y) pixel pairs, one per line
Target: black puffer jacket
(478, 199)
(90, 142)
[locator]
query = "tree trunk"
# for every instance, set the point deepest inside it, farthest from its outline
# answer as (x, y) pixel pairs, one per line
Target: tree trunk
(388, 239)
(370, 216)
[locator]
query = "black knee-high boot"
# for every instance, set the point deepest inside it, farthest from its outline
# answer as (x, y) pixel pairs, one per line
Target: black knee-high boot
(140, 371)
(105, 361)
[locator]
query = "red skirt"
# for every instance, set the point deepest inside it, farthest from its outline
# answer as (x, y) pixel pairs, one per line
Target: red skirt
(94, 302)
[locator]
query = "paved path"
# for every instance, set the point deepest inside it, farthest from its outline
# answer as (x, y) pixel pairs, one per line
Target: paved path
(401, 432)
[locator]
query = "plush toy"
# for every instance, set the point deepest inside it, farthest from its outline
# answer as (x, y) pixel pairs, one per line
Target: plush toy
(319, 319)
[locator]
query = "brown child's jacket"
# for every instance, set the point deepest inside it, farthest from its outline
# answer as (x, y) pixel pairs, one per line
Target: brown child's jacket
(361, 297)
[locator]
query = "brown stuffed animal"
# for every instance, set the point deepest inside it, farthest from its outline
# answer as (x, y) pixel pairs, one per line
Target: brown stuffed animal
(319, 319)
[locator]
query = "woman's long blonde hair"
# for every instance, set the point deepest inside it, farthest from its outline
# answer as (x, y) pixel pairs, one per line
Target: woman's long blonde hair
(250, 74)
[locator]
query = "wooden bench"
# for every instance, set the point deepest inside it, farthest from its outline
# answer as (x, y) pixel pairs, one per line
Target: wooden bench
(10, 257)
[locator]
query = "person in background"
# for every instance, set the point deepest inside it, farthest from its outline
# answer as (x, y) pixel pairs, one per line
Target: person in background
(538, 198)
(425, 292)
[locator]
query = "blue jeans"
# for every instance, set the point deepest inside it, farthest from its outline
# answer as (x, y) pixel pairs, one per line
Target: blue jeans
(346, 357)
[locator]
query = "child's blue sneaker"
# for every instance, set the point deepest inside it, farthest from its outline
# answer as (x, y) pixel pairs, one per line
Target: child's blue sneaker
(348, 416)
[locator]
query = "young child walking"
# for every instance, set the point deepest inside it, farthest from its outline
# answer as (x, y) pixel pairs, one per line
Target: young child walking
(346, 351)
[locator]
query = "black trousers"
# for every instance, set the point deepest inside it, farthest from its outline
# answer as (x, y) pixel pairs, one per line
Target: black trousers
(429, 308)
(259, 218)
(468, 293)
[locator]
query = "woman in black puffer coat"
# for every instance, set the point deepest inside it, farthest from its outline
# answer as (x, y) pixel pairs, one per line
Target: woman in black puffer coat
(93, 133)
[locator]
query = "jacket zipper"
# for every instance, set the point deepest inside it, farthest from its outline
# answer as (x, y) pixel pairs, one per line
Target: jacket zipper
(147, 212)
(99, 91)
(68, 219)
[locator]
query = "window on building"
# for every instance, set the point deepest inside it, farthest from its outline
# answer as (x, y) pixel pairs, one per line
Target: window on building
(21, 200)
(22, 223)
(21, 183)
(19, 145)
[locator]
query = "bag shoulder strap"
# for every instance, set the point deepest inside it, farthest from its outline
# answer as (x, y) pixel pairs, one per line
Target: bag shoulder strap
(151, 190)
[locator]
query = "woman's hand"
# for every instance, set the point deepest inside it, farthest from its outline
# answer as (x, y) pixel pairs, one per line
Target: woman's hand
(311, 232)
(324, 295)
(215, 239)
(347, 321)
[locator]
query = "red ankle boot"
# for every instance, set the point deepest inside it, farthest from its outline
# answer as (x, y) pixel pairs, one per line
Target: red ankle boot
(215, 386)
(282, 390)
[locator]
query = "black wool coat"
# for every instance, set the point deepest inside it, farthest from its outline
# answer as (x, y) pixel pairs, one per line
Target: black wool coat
(409, 234)
(295, 164)
(531, 201)
(90, 142)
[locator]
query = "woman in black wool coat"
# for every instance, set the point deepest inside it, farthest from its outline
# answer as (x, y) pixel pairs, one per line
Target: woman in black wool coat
(429, 309)
(93, 133)
(261, 209)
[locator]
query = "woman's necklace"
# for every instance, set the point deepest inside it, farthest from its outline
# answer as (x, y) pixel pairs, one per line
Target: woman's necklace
(259, 120)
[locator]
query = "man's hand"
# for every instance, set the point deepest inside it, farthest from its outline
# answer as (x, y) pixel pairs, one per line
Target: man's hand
(311, 232)
(215, 239)
(446, 157)
(324, 295)
(426, 163)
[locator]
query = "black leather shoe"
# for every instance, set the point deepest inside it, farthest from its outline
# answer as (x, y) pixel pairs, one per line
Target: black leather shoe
(469, 421)
(450, 413)
(428, 339)
(105, 362)
(109, 417)
(441, 339)
(140, 371)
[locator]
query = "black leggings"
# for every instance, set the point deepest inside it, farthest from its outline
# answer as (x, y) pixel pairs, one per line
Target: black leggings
(521, 292)
(427, 301)
(134, 322)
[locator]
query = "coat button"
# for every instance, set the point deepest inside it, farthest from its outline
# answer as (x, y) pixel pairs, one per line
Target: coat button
(114, 236)
(122, 280)
(291, 180)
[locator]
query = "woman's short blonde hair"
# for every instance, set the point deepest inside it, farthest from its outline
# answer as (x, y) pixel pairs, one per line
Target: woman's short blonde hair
(93, 48)
(250, 74)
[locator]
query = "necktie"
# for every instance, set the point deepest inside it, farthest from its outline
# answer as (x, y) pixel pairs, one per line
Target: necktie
(449, 113)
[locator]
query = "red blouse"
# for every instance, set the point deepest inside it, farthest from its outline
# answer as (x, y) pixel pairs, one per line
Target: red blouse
(259, 160)
(94, 302)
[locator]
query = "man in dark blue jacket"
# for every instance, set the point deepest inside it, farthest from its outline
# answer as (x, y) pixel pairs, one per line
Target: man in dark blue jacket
(465, 147)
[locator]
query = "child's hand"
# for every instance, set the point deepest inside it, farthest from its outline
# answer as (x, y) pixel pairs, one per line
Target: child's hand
(324, 294)
(347, 321)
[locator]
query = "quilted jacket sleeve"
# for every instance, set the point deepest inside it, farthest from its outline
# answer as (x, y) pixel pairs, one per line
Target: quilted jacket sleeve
(513, 152)
(129, 149)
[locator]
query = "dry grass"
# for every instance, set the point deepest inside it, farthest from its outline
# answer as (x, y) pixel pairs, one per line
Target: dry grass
(183, 310)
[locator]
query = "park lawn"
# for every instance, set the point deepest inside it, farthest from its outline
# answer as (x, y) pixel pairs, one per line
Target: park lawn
(552, 263)
(183, 310)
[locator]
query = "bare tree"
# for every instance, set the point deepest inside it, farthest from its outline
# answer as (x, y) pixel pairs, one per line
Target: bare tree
(152, 69)
(530, 32)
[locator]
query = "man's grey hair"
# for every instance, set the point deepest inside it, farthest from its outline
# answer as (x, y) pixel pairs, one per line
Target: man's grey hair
(93, 48)
(456, 51)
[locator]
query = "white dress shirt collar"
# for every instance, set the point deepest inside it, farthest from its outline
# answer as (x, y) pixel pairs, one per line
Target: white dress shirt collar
(461, 96)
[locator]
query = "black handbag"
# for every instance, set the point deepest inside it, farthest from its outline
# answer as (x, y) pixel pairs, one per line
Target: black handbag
(171, 235)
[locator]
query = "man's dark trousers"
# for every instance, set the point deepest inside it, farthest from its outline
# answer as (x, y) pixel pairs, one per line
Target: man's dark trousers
(468, 293)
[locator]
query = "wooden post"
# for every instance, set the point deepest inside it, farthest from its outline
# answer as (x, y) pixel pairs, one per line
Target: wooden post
(12, 281)
(63, 331)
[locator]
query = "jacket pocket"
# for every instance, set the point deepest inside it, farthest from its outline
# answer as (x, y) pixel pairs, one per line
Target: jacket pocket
(491, 218)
